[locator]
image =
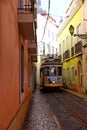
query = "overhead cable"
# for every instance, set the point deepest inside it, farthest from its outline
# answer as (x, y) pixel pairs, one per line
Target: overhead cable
(46, 20)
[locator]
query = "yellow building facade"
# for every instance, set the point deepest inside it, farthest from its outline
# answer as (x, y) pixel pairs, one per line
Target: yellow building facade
(72, 48)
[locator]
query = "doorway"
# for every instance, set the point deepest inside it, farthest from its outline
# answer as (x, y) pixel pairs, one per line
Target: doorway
(79, 66)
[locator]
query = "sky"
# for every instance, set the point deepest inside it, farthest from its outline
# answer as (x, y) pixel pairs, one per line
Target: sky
(57, 8)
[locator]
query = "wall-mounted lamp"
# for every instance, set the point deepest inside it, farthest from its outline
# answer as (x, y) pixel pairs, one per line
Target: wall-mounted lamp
(82, 36)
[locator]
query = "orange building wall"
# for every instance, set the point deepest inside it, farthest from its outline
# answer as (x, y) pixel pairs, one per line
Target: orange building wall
(10, 63)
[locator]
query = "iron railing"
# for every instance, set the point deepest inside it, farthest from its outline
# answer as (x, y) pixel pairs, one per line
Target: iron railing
(27, 7)
(72, 51)
(78, 47)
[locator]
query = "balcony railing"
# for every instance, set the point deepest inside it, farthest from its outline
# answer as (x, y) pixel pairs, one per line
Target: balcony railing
(32, 48)
(26, 8)
(63, 56)
(72, 51)
(66, 55)
(75, 50)
(78, 47)
(32, 51)
(27, 21)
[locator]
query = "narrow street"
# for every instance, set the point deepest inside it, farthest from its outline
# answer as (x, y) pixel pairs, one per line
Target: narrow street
(40, 116)
(43, 43)
(56, 111)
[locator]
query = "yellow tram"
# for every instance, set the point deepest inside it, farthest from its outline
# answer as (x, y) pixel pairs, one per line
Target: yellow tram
(51, 74)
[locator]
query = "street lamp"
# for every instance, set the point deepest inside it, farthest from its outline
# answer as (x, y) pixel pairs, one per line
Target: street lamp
(81, 36)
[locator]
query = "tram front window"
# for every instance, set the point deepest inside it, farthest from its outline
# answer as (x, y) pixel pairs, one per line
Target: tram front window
(46, 71)
(53, 71)
(60, 71)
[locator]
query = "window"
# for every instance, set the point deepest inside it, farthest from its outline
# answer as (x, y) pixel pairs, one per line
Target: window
(64, 75)
(67, 42)
(53, 71)
(46, 71)
(78, 31)
(72, 41)
(59, 71)
(22, 68)
(68, 74)
(63, 46)
(73, 73)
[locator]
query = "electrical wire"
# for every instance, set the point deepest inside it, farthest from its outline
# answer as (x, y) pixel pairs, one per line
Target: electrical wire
(46, 20)
(56, 15)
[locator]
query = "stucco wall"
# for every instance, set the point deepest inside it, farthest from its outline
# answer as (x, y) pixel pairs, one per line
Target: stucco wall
(10, 64)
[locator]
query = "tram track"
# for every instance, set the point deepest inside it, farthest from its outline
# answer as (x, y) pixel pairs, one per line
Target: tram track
(84, 123)
(63, 110)
(76, 100)
(76, 104)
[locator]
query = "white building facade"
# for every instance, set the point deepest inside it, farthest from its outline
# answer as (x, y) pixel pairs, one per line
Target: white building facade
(46, 39)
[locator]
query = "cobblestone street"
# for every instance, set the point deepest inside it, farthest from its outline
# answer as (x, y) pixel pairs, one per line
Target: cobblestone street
(40, 116)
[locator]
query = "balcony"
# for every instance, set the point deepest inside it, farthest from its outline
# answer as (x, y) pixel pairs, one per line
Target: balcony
(34, 57)
(63, 56)
(72, 51)
(78, 48)
(27, 21)
(66, 55)
(32, 50)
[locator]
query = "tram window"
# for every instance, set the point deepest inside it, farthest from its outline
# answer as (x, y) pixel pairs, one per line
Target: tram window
(59, 71)
(53, 71)
(46, 71)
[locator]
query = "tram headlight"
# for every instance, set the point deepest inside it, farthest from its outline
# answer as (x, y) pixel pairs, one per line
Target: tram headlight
(53, 81)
